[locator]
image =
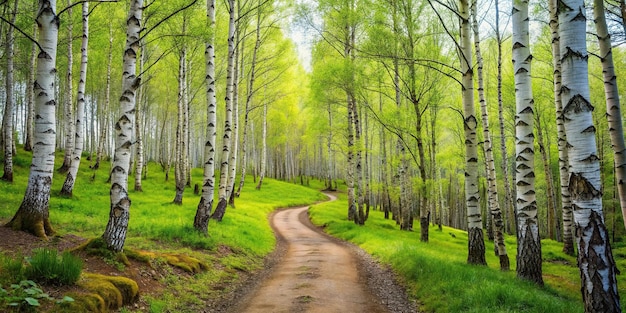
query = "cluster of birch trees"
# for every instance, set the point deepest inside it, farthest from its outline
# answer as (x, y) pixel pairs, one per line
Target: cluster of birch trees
(419, 72)
(389, 107)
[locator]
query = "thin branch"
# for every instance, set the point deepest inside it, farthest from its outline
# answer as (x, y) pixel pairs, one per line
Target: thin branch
(167, 18)
(81, 2)
(21, 31)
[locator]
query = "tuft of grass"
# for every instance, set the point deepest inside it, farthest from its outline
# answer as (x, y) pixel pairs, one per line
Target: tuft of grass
(11, 269)
(46, 266)
(437, 275)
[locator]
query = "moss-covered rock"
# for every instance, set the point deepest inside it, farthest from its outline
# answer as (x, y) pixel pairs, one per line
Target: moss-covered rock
(114, 290)
(83, 302)
(182, 261)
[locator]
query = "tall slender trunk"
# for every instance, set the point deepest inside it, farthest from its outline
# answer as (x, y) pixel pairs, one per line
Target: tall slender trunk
(68, 105)
(139, 164)
(203, 213)
(235, 142)
(492, 187)
(263, 148)
(226, 143)
(115, 233)
(508, 197)
(105, 108)
(70, 179)
(9, 107)
(552, 223)
(33, 215)
(613, 107)
(249, 96)
(476, 243)
(595, 258)
(30, 95)
(179, 168)
(566, 202)
(529, 242)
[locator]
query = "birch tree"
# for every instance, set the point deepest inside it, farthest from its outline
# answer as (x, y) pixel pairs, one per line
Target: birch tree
(70, 179)
(68, 105)
(33, 215)
(115, 233)
(529, 242)
(7, 131)
(595, 258)
(228, 100)
(494, 204)
(203, 213)
(566, 202)
(613, 107)
(476, 243)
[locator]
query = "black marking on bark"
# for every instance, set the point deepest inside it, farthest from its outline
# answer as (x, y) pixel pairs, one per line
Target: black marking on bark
(581, 189)
(521, 123)
(521, 70)
(44, 55)
(578, 104)
(590, 129)
(522, 166)
(528, 150)
(527, 110)
(591, 158)
(530, 175)
(521, 159)
(529, 192)
(522, 183)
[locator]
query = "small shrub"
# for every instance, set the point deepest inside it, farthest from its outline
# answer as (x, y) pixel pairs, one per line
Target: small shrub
(25, 296)
(46, 266)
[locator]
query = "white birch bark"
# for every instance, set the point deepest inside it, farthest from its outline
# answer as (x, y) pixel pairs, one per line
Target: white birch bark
(70, 179)
(508, 198)
(139, 164)
(234, 154)
(566, 202)
(263, 148)
(33, 215)
(115, 233)
(494, 203)
(9, 107)
(105, 108)
(226, 143)
(613, 107)
(68, 105)
(529, 242)
(595, 258)
(203, 213)
(476, 243)
(179, 167)
(30, 94)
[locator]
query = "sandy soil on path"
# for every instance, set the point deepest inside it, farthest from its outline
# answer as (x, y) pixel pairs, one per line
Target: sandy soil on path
(316, 274)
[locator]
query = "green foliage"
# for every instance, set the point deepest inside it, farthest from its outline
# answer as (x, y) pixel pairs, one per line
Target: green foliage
(46, 266)
(11, 269)
(438, 276)
(25, 296)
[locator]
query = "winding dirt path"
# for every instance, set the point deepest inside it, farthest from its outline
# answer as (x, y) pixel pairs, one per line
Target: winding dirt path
(316, 274)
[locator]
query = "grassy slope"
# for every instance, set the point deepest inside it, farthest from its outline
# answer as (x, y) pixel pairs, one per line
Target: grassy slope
(157, 224)
(438, 276)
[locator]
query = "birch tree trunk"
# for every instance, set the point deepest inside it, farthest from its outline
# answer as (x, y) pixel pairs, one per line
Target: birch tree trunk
(115, 234)
(250, 94)
(203, 213)
(529, 242)
(552, 223)
(70, 179)
(566, 202)
(33, 216)
(105, 108)
(263, 148)
(69, 100)
(492, 187)
(226, 143)
(235, 142)
(9, 107)
(30, 94)
(508, 197)
(476, 243)
(179, 168)
(595, 258)
(613, 107)
(139, 164)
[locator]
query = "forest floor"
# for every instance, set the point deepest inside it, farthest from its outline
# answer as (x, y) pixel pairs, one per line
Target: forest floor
(309, 271)
(318, 273)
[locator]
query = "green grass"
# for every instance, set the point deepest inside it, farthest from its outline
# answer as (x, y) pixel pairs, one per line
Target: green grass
(439, 278)
(236, 244)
